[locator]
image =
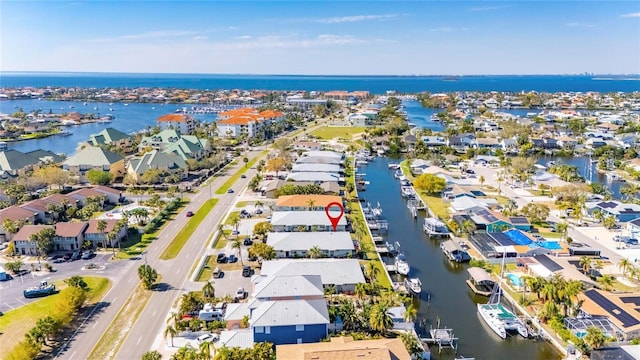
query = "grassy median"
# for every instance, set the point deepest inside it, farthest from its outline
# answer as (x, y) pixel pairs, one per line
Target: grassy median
(174, 247)
(232, 180)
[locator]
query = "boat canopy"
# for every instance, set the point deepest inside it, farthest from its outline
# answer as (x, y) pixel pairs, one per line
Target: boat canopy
(450, 246)
(479, 274)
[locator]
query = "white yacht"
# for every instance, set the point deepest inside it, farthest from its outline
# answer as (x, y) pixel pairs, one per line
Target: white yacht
(499, 318)
(414, 285)
(401, 264)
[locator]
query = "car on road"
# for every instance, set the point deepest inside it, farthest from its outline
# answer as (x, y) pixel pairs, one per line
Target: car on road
(221, 259)
(189, 213)
(247, 241)
(247, 271)
(230, 191)
(235, 232)
(87, 254)
(259, 211)
(470, 171)
(632, 241)
(232, 258)
(243, 176)
(59, 260)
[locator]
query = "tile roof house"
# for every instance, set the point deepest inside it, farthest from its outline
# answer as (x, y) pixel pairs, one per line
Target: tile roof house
(22, 241)
(100, 238)
(345, 348)
(94, 158)
(109, 136)
(287, 221)
(155, 159)
(170, 141)
(303, 202)
(247, 122)
(15, 213)
(69, 236)
(185, 124)
(297, 244)
(344, 274)
(14, 162)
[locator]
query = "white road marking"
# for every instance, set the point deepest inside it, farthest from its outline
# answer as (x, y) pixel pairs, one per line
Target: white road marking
(94, 325)
(139, 339)
(72, 355)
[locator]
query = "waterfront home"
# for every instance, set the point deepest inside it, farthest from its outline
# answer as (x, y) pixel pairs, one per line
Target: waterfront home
(305, 202)
(94, 158)
(344, 274)
(240, 338)
(269, 187)
(633, 164)
(185, 124)
(326, 168)
(298, 244)
(418, 165)
(433, 142)
(633, 227)
(566, 142)
(510, 146)
(307, 145)
(316, 177)
(486, 160)
(545, 143)
(541, 177)
(610, 351)
(487, 143)
(345, 348)
(469, 205)
(166, 163)
(173, 142)
(359, 120)
(14, 162)
(100, 238)
(620, 309)
(322, 156)
(594, 143)
(109, 136)
(304, 221)
(398, 318)
(305, 104)
(546, 266)
(622, 212)
(16, 214)
(493, 221)
(290, 321)
(455, 191)
(626, 140)
(461, 142)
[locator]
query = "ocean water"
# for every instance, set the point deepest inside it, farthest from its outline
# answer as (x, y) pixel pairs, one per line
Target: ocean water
(373, 84)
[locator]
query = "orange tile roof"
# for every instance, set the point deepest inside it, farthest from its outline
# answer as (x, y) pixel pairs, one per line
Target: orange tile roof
(93, 226)
(174, 118)
(69, 229)
(270, 114)
(303, 200)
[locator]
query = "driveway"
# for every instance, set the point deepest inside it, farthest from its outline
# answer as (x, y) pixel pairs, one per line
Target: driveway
(232, 280)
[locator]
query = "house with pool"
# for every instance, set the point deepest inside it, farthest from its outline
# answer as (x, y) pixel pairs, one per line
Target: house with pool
(515, 243)
(490, 221)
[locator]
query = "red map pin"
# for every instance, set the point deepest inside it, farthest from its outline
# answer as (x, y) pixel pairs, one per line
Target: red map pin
(334, 219)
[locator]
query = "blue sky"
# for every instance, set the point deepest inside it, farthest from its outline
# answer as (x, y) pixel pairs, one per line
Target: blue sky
(307, 37)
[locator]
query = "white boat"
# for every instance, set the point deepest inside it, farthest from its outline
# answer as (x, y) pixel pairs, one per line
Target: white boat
(401, 264)
(3, 145)
(414, 285)
(499, 318)
(394, 166)
(434, 117)
(408, 192)
(64, 133)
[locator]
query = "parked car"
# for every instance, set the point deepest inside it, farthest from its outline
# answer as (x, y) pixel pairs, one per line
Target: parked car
(222, 258)
(217, 273)
(632, 241)
(235, 232)
(88, 254)
(247, 271)
(240, 293)
(76, 255)
(247, 242)
(67, 256)
(259, 211)
(230, 191)
(207, 337)
(232, 258)
(470, 171)
(243, 176)
(189, 213)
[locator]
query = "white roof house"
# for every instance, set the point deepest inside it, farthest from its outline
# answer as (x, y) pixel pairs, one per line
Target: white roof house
(327, 154)
(291, 244)
(344, 273)
(310, 220)
(242, 338)
(328, 168)
(290, 312)
(315, 176)
(300, 286)
(319, 160)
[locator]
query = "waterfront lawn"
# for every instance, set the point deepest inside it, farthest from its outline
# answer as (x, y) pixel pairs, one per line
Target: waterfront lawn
(173, 249)
(14, 324)
(331, 132)
(437, 206)
(232, 180)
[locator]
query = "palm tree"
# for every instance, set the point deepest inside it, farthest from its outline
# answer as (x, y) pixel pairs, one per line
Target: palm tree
(258, 204)
(467, 227)
(234, 220)
(379, 318)
(361, 291)
(205, 348)
(221, 231)
(330, 290)
(237, 244)
(481, 180)
(315, 252)
(208, 291)
(623, 264)
(111, 236)
(152, 355)
(607, 281)
(595, 338)
(585, 263)
(371, 270)
(561, 228)
(410, 313)
(170, 331)
(310, 204)
(349, 316)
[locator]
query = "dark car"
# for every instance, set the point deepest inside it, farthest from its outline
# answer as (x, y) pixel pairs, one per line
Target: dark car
(247, 271)
(230, 191)
(243, 176)
(247, 242)
(232, 258)
(67, 256)
(632, 242)
(222, 258)
(470, 171)
(189, 213)
(76, 255)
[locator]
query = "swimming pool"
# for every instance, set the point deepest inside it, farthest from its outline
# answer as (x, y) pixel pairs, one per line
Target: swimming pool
(518, 237)
(550, 245)
(515, 279)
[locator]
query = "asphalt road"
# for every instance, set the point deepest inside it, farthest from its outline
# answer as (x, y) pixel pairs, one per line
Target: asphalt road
(174, 273)
(12, 289)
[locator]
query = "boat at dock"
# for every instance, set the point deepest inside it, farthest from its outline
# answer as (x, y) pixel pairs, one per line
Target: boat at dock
(397, 174)
(64, 133)
(453, 252)
(401, 265)
(499, 318)
(393, 166)
(408, 192)
(414, 285)
(4, 145)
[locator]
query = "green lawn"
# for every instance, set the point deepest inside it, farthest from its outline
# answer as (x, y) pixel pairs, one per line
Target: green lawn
(437, 206)
(232, 180)
(207, 269)
(14, 324)
(173, 249)
(330, 132)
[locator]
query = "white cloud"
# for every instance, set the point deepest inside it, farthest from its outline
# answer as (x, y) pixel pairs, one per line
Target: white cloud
(356, 18)
(199, 37)
(159, 34)
(578, 24)
(442, 29)
(631, 15)
(244, 37)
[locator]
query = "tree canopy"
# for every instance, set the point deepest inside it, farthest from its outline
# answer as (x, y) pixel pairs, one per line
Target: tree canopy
(429, 183)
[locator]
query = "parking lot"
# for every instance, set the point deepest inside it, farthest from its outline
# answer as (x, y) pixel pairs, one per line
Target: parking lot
(231, 281)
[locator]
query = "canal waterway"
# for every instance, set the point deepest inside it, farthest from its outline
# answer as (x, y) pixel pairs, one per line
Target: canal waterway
(451, 300)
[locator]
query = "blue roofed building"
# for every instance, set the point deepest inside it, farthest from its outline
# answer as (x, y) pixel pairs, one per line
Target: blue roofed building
(290, 321)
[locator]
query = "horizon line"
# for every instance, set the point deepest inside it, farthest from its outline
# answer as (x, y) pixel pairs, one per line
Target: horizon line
(311, 75)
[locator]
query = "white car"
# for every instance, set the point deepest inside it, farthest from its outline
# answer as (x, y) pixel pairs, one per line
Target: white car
(240, 293)
(207, 337)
